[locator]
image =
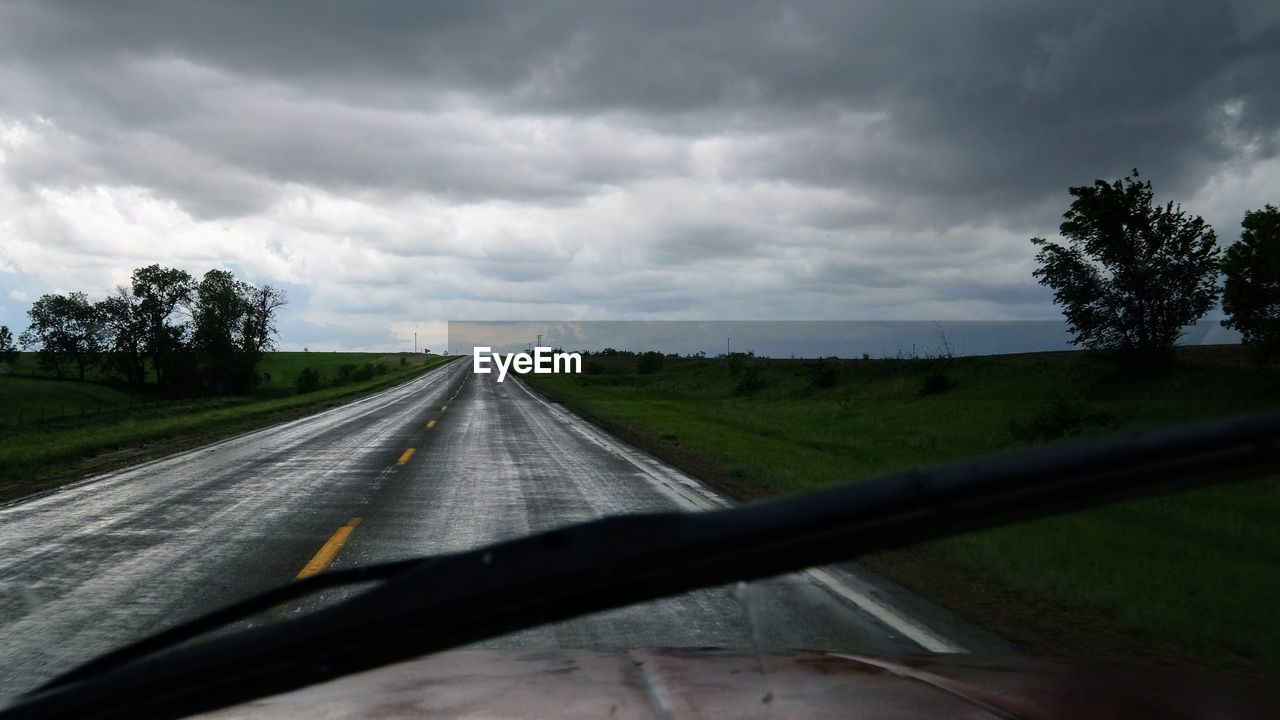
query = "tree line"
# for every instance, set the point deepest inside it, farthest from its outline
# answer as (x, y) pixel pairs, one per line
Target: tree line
(195, 337)
(1133, 275)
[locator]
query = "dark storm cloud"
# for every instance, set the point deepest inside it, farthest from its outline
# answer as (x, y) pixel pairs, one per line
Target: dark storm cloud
(980, 106)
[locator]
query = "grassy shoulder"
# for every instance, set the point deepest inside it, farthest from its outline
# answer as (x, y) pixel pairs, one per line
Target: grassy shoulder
(1190, 578)
(88, 428)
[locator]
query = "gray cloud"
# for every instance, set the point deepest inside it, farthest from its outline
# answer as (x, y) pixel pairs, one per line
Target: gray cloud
(645, 158)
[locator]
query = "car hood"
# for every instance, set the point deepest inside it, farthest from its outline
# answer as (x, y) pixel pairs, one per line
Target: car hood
(740, 684)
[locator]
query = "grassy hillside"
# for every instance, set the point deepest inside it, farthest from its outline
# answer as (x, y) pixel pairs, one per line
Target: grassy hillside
(54, 430)
(1201, 569)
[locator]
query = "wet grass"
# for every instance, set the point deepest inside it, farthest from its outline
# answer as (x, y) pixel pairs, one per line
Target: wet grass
(1202, 567)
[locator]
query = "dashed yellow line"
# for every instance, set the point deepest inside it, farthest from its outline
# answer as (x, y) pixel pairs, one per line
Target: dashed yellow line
(325, 555)
(443, 408)
(431, 424)
(460, 386)
(404, 457)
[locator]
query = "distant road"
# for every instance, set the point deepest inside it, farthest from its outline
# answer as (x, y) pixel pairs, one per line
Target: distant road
(447, 461)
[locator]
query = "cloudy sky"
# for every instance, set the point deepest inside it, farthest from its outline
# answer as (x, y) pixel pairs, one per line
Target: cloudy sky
(397, 165)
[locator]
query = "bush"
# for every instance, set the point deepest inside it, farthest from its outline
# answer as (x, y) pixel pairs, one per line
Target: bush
(362, 373)
(649, 362)
(936, 384)
(752, 380)
(1060, 419)
(380, 369)
(823, 373)
(345, 373)
(308, 380)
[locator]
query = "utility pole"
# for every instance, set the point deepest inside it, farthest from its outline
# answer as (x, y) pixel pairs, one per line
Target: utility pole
(415, 342)
(539, 340)
(726, 347)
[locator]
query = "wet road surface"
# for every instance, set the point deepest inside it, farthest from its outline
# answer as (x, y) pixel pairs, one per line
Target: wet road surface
(448, 461)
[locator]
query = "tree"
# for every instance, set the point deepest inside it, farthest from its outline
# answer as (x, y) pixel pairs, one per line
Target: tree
(8, 350)
(160, 293)
(1251, 296)
(233, 324)
(260, 322)
(1132, 274)
(67, 331)
(126, 331)
(218, 318)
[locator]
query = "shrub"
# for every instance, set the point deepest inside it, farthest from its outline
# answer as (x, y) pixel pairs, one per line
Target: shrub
(823, 373)
(936, 384)
(649, 362)
(308, 380)
(345, 373)
(1060, 419)
(752, 380)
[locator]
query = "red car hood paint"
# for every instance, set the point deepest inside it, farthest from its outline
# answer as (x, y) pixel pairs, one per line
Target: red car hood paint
(739, 684)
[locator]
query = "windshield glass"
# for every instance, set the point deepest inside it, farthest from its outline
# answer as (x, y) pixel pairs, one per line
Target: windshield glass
(301, 289)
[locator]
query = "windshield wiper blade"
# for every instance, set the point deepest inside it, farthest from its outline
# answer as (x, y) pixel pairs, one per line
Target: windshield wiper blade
(233, 613)
(457, 599)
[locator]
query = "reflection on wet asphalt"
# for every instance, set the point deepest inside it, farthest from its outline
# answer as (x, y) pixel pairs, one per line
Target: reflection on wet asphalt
(105, 562)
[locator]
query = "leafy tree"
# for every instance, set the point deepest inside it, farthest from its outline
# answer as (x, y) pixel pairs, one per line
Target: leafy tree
(233, 324)
(126, 334)
(8, 350)
(218, 319)
(67, 331)
(263, 305)
(160, 293)
(1251, 296)
(1132, 274)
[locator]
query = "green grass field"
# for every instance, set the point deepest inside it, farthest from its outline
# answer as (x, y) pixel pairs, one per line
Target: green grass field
(1201, 567)
(279, 371)
(48, 428)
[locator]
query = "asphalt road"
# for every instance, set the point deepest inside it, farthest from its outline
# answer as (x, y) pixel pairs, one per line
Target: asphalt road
(106, 561)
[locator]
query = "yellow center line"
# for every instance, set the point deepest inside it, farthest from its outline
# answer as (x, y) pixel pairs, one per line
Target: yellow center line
(443, 408)
(404, 457)
(330, 548)
(431, 424)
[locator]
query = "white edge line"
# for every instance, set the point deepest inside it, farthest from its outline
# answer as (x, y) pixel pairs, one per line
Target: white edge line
(911, 629)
